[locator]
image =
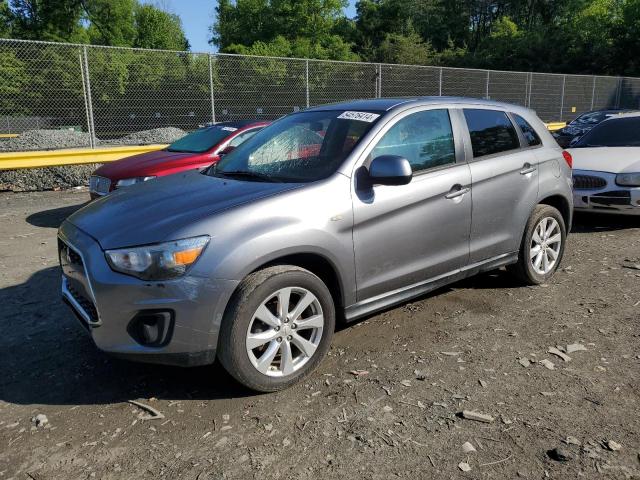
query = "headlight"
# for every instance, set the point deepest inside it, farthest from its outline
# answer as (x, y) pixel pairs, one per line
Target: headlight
(628, 179)
(161, 261)
(127, 182)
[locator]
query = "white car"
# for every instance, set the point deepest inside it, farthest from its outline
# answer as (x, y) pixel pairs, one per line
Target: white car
(606, 167)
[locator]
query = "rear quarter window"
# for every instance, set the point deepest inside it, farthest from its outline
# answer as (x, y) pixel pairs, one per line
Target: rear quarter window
(528, 131)
(491, 132)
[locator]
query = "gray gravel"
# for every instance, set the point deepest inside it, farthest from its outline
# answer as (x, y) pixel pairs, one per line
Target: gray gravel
(45, 140)
(148, 137)
(49, 178)
(52, 178)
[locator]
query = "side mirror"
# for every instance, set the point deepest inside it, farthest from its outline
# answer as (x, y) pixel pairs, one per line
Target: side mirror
(227, 149)
(390, 170)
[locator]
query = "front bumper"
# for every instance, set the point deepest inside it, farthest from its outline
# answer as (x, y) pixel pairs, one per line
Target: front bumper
(601, 194)
(106, 303)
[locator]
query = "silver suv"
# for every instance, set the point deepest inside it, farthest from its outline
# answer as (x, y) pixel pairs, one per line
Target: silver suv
(334, 212)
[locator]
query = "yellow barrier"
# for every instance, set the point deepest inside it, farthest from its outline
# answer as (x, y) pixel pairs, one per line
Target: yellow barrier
(554, 126)
(8, 135)
(53, 158)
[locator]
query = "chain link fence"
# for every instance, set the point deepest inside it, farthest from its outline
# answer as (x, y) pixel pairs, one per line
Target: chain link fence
(109, 92)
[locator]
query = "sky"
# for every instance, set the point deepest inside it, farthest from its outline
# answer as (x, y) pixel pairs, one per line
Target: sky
(198, 15)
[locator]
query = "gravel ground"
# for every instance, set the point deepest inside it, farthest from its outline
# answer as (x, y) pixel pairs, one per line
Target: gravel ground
(386, 402)
(52, 178)
(148, 137)
(46, 140)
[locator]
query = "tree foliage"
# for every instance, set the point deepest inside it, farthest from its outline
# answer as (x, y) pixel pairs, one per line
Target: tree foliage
(123, 23)
(573, 36)
(292, 28)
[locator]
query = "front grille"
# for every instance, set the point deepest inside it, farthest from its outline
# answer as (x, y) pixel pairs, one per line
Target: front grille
(86, 304)
(617, 197)
(588, 182)
(99, 185)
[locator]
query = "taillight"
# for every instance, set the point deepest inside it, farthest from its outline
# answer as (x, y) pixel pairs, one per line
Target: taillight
(568, 158)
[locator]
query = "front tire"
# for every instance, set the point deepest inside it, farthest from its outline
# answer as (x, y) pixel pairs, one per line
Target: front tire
(277, 328)
(542, 246)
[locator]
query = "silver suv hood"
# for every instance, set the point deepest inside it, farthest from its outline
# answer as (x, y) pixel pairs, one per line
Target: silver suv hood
(152, 211)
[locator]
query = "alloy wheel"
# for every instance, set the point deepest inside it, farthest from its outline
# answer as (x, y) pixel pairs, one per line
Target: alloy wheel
(545, 245)
(285, 331)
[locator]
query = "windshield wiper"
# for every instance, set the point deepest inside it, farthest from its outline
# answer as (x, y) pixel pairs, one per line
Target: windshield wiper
(180, 151)
(245, 173)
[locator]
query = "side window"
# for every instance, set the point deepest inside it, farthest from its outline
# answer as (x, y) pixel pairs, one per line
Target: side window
(529, 133)
(424, 138)
(491, 132)
(242, 137)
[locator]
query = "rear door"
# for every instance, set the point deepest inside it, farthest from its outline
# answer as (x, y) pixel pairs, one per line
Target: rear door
(406, 234)
(504, 175)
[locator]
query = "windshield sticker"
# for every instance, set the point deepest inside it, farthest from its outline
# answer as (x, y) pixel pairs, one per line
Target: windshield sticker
(229, 129)
(360, 116)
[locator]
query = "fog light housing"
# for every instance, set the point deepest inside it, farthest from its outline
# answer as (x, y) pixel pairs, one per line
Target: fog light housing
(152, 328)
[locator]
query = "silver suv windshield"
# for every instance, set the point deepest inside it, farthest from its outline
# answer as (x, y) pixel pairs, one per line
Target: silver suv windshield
(302, 147)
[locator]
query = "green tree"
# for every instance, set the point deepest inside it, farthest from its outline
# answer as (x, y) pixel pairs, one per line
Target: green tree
(58, 21)
(111, 22)
(626, 38)
(158, 29)
(307, 28)
(5, 19)
(409, 49)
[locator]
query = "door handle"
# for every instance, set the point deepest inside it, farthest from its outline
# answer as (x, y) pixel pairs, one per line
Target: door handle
(527, 169)
(457, 191)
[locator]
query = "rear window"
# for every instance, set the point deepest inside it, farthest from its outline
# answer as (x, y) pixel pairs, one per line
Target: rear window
(491, 132)
(201, 140)
(617, 132)
(529, 133)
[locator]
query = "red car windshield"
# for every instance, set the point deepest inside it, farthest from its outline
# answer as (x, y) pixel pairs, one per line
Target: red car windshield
(201, 140)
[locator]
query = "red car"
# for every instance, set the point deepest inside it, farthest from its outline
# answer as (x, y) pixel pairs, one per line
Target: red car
(196, 150)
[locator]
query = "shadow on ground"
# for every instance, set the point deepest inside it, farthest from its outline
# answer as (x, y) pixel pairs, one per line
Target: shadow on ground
(54, 217)
(47, 358)
(599, 222)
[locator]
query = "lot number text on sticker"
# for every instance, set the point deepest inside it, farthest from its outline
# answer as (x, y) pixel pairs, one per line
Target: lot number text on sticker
(361, 116)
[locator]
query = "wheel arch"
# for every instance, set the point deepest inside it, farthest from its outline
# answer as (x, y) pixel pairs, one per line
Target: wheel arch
(563, 205)
(317, 264)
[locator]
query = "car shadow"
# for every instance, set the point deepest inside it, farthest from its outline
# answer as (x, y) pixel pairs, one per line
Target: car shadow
(54, 217)
(602, 222)
(46, 357)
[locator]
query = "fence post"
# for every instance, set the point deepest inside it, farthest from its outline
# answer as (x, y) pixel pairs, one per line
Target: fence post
(213, 103)
(487, 87)
(619, 92)
(379, 92)
(593, 92)
(86, 83)
(440, 88)
(530, 88)
(306, 76)
(564, 80)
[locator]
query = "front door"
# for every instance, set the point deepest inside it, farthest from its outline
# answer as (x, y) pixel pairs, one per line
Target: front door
(407, 234)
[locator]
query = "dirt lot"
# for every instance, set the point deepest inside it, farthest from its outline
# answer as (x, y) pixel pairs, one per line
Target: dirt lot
(461, 348)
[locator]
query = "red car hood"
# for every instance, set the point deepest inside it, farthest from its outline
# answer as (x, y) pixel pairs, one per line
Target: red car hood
(160, 162)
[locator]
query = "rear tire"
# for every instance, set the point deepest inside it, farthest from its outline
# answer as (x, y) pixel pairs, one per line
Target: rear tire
(277, 328)
(542, 246)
